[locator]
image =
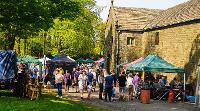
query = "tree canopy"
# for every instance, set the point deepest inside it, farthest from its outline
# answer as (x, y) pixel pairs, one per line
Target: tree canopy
(20, 18)
(72, 27)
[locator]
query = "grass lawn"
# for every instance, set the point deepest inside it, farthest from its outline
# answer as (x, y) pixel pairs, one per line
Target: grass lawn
(45, 103)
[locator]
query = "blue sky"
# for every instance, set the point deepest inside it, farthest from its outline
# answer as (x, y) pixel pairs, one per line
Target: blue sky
(153, 4)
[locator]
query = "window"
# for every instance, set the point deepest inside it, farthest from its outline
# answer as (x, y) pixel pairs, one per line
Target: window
(130, 41)
(157, 38)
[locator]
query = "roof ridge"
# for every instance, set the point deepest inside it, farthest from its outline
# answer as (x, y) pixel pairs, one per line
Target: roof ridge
(169, 9)
(177, 14)
(189, 4)
(133, 18)
(136, 8)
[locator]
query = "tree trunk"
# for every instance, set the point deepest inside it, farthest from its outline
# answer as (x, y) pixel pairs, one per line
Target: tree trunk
(25, 42)
(9, 41)
(44, 40)
(59, 45)
(18, 46)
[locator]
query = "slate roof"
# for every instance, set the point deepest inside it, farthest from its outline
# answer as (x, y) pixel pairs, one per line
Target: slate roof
(134, 18)
(181, 13)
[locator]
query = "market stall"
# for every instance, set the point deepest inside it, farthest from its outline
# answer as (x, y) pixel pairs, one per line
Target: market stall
(89, 61)
(63, 61)
(154, 63)
(80, 60)
(44, 59)
(8, 68)
(100, 61)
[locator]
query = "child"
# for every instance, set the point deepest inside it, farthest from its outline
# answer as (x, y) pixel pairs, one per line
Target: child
(113, 93)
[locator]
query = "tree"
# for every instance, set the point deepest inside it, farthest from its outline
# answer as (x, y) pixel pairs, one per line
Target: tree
(21, 18)
(77, 37)
(72, 37)
(100, 39)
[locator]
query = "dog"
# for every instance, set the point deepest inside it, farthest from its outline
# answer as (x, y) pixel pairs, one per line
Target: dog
(129, 93)
(49, 86)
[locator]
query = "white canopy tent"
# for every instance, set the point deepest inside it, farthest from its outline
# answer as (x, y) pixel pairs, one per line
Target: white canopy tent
(44, 59)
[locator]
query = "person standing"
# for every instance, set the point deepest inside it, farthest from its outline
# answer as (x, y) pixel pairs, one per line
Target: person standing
(101, 82)
(46, 75)
(94, 79)
(114, 77)
(81, 82)
(72, 75)
(20, 89)
(163, 81)
(67, 79)
(34, 73)
(173, 83)
(122, 85)
(130, 86)
(108, 85)
(90, 78)
(136, 81)
(76, 75)
(58, 80)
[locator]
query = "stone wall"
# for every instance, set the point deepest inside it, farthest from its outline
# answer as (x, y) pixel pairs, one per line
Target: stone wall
(178, 45)
(128, 53)
(111, 41)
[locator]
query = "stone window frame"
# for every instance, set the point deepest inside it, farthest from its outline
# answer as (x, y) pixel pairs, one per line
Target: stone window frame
(155, 38)
(130, 41)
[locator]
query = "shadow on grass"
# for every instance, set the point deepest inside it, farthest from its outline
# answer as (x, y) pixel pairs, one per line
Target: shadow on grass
(46, 102)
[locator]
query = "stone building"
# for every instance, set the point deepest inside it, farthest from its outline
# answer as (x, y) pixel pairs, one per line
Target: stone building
(124, 31)
(173, 34)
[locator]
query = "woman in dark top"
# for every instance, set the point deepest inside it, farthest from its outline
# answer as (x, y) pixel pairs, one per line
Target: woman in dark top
(122, 85)
(114, 77)
(67, 80)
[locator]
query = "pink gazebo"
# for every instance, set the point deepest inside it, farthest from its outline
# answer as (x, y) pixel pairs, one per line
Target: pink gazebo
(133, 62)
(100, 61)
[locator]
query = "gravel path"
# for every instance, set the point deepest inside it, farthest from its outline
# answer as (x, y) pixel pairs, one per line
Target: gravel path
(134, 105)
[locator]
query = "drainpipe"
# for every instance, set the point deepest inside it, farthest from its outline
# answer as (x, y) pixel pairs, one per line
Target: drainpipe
(197, 101)
(118, 48)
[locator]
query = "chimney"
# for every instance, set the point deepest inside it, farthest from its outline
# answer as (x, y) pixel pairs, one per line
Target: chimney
(112, 1)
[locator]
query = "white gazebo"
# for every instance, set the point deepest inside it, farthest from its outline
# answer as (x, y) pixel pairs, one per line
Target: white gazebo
(44, 59)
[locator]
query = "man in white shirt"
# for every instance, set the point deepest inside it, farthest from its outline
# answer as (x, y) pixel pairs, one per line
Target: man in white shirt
(94, 78)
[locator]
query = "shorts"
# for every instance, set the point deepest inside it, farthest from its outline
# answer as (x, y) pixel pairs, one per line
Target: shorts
(89, 88)
(122, 89)
(113, 92)
(75, 84)
(94, 83)
(81, 87)
(68, 82)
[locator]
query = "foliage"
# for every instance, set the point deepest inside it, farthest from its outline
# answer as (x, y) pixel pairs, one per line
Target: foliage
(2, 41)
(20, 18)
(76, 38)
(36, 47)
(81, 35)
(100, 40)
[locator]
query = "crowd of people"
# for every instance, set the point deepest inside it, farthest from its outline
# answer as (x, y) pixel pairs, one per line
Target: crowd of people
(85, 78)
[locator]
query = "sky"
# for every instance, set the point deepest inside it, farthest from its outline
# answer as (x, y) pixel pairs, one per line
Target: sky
(152, 4)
